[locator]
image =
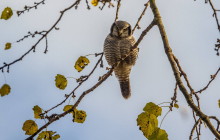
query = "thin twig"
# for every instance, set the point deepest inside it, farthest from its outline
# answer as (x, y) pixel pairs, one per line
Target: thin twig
(139, 19)
(28, 8)
(212, 79)
(46, 48)
(174, 97)
(117, 11)
(194, 127)
(215, 14)
(87, 3)
(217, 120)
(164, 118)
(43, 36)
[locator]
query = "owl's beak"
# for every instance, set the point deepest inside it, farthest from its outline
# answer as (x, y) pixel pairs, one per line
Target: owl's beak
(120, 33)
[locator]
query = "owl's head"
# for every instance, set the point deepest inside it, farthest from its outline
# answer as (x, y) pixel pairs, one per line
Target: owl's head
(121, 29)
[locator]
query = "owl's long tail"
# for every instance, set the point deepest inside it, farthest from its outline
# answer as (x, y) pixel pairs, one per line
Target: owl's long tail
(125, 88)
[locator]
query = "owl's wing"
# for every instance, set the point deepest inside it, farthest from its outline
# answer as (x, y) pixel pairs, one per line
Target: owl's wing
(112, 50)
(125, 48)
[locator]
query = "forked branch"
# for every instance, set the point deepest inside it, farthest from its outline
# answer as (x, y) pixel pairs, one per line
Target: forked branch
(176, 72)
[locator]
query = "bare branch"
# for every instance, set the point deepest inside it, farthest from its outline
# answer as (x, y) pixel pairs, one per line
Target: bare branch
(43, 36)
(194, 128)
(174, 98)
(117, 11)
(28, 8)
(176, 72)
(215, 14)
(139, 19)
(212, 79)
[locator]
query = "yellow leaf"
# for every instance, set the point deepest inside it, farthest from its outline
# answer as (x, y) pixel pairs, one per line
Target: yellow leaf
(55, 137)
(153, 109)
(159, 134)
(67, 107)
(147, 123)
(5, 90)
(37, 111)
(48, 135)
(61, 81)
(7, 46)
(81, 63)
(30, 127)
(176, 106)
(7, 13)
(79, 116)
(219, 103)
(94, 2)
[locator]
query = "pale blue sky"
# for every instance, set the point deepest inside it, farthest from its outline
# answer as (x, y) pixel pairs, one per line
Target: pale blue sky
(192, 33)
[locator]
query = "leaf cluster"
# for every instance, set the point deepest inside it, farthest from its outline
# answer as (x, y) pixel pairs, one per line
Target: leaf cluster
(148, 122)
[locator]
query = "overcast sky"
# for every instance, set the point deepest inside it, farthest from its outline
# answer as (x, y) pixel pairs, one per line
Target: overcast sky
(192, 33)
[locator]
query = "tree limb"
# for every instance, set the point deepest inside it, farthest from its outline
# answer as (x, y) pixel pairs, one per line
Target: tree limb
(176, 72)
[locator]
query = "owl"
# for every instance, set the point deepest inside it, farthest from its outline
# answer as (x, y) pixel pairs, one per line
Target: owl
(118, 44)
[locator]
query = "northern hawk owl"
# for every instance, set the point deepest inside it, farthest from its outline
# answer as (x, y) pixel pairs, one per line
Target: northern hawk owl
(118, 44)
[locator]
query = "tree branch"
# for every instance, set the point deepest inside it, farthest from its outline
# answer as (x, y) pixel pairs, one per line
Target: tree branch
(176, 72)
(212, 79)
(43, 36)
(139, 19)
(28, 8)
(117, 11)
(57, 117)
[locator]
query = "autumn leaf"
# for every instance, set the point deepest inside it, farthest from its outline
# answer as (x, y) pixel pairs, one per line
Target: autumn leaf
(37, 111)
(79, 116)
(159, 134)
(153, 109)
(60, 81)
(67, 107)
(30, 127)
(94, 2)
(81, 63)
(7, 46)
(6, 13)
(147, 123)
(48, 135)
(5, 90)
(176, 106)
(219, 103)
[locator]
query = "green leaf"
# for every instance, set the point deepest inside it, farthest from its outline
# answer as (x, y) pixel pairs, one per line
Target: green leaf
(81, 63)
(60, 81)
(159, 134)
(7, 46)
(30, 127)
(153, 109)
(67, 107)
(48, 135)
(37, 111)
(5, 90)
(6, 13)
(79, 116)
(55, 137)
(147, 123)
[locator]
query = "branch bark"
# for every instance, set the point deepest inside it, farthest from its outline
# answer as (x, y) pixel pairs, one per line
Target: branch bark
(176, 72)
